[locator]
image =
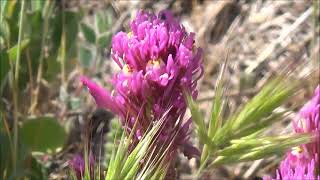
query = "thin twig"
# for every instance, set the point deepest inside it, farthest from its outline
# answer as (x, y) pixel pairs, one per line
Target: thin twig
(253, 168)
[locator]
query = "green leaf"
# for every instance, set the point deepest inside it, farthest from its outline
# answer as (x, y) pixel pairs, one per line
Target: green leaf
(217, 104)
(37, 5)
(4, 32)
(14, 50)
(4, 67)
(216, 115)
(75, 103)
(85, 57)
(42, 134)
(3, 5)
(71, 27)
(103, 22)
(197, 117)
(52, 68)
(124, 165)
(37, 170)
(198, 121)
(88, 33)
(5, 155)
(104, 40)
(7, 8)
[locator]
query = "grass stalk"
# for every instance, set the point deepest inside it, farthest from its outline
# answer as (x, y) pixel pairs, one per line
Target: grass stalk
(30, 73)
(48, 8)
(216, 110)
(62, 51)
(315, 13)
(3, 6)
(15, 83)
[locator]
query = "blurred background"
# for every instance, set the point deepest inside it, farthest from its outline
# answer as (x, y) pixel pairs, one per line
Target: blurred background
(46, 45)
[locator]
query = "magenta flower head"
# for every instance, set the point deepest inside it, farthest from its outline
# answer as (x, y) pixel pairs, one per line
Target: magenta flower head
(308, 121)
(288, 172)
(302, 162)
(158, 60)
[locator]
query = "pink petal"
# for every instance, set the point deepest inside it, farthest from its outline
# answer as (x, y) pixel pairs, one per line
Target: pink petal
(101, 96)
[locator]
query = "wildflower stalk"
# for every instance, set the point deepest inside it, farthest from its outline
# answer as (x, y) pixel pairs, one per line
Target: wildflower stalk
(16, 88)
(47, 12)
(62, 50)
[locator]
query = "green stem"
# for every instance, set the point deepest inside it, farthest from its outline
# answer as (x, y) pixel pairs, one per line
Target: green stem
(3, 7)
(48, 8)
(62, 52)
(204, 154)
(16, 89)
(30, 74)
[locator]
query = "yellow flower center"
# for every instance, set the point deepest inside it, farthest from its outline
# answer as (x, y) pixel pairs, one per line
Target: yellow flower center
(155, 63)
(129, 34)
(296, 150)
(126, 69)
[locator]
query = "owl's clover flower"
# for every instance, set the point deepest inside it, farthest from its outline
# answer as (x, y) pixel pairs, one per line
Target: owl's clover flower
(302, 162)
(158, 61)
(308, 121)
(288, 172)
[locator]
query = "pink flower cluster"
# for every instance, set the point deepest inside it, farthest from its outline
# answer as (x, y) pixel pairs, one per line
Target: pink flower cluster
(158, 61)
(302, 162)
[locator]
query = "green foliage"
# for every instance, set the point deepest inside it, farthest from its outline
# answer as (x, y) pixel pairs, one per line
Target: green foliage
(97, 38)
(111, 137)
(27, 166)
(252, 149)
(104, 40)
(256, 111)
(198, 121)
(238, 138)
(88, 33)
(125, 165)
(4, 69)
(103, 21)
(12, 52)
(5, 154)
(42, 134)
(4, 31)
(128, 160)
(39, 40)
(85, 57)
